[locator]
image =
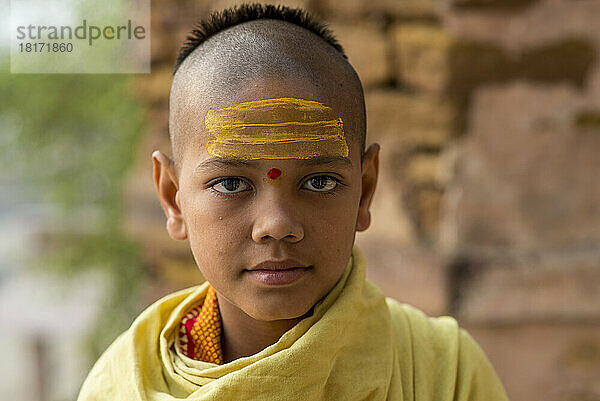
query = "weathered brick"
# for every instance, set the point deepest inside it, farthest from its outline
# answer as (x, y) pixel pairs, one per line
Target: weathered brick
(222, 4)
(587, 121)
(544, 22)
(154, 88)
(406, 273)
(415, 119)
(564, 60)
(544, 361)
(428, 211)
(167, 17)
(393, 8)
(164, 48)
(467, 64)
(422, 55)
(553, 289)
(526, 175)
(471, 64)
(366, 48)
(490, 5)
(407, 8)
(425, 169)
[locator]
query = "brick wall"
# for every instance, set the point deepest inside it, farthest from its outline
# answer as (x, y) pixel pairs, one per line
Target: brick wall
(488, 203)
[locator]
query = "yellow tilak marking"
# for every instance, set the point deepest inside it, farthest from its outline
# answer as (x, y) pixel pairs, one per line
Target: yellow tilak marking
(275, 129)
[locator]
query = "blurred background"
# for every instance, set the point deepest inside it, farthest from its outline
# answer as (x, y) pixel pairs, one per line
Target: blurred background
(487, 207)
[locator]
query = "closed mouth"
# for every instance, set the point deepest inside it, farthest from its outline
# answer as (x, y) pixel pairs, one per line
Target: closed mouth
(276, 275)
(282, 270)
(279, 265)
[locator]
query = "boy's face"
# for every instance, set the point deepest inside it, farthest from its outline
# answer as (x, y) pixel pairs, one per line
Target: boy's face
(293, 209)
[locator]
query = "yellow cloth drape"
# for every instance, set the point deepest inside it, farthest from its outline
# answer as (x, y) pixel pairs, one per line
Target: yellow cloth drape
(357, 345)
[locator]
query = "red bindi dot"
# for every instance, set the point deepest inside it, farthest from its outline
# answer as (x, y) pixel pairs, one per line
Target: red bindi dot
(274, 173)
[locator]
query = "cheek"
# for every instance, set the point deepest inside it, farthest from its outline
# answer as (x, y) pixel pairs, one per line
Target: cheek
(214, 225)
(337, 213)
(332, 226)
(215, 240)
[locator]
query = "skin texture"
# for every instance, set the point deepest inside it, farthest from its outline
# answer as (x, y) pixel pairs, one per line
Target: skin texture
(231, 213)
(276, 129)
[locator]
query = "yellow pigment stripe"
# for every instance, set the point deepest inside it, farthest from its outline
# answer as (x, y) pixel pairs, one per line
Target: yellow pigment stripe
(275, 129)
(244, 140)
(279, 150)
(317, 124)
(271, 111)
(281, 132)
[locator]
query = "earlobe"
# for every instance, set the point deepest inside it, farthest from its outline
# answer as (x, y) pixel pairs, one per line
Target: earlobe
(166, 184)
(176, 228)
(363, 221)
(370, 172)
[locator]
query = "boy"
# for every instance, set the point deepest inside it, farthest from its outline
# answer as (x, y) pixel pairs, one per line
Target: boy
(269, 182)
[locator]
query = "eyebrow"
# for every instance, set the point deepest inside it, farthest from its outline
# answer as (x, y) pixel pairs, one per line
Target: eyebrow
(328, 161)
(218, 162)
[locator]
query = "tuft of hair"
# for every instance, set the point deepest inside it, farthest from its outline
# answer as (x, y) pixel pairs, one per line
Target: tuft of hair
(219, 21)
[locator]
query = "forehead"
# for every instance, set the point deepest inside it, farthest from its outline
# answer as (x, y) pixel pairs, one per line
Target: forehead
(267, 119)
(280, 128)
(211, 164)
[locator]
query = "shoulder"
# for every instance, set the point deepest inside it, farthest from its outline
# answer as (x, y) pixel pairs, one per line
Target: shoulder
(408, 317)
(116, 374)
(445, 361)
(429, 336)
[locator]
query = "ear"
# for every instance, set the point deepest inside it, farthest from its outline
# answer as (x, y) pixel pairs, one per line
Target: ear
(370, 169)
(167, 187)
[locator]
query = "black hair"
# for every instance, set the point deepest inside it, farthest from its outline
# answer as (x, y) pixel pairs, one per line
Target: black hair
(220, 21)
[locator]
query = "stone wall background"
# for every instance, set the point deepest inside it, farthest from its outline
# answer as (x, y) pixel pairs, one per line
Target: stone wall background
(488, 202)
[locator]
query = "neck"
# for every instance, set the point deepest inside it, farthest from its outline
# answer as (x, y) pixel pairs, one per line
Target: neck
(243, 335)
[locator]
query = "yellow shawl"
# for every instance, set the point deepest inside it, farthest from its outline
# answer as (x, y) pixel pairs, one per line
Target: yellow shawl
(357, 345)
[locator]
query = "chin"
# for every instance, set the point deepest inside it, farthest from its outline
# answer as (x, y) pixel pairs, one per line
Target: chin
(279, 313)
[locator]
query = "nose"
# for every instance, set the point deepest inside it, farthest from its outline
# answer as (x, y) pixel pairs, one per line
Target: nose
(275, 219)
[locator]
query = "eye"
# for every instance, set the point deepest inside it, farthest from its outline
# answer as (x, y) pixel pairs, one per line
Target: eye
(230, 185)
(320, 183)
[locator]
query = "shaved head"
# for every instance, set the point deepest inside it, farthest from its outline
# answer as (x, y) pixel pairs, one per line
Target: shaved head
(263, 59)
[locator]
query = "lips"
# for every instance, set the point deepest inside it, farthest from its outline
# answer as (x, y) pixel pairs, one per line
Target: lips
(282, 272)
(278, 265)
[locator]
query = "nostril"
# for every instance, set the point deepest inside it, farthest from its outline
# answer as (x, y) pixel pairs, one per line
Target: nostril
(277, 226)
(283, 237)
